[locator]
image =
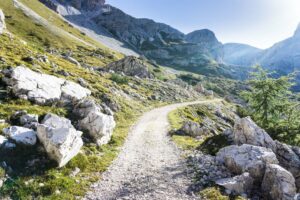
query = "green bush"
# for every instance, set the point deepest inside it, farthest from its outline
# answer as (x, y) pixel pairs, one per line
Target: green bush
(119, 79)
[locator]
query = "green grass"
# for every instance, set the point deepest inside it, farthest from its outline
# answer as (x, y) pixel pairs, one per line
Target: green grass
(186, 142)
(214, 193)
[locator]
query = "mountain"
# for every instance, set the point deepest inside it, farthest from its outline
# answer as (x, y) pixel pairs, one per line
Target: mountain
(240, 54)
(199, 51)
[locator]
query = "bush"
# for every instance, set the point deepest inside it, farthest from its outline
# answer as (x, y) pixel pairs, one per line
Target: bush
(119, 79)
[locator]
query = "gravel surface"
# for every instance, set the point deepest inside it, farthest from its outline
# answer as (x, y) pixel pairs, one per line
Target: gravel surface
(149, 165)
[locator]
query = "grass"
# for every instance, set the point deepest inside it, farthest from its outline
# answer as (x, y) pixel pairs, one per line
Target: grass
(214, 193)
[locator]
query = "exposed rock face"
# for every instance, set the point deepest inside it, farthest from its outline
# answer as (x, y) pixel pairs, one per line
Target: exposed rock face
(241, 184)
(60, 139)
(289, 160)
(21, 135)
(247, 132)
(131, 66)
(2, 22)
(247, 158)
(42, 88)
(98, 125)
(278, 183)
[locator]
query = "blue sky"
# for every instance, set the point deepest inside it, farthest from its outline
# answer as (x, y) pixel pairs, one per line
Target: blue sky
(260, 23)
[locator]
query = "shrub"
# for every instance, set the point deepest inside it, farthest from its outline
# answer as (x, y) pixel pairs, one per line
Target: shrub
(119, 79)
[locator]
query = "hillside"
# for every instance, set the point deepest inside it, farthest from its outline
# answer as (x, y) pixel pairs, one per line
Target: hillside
(50, 56)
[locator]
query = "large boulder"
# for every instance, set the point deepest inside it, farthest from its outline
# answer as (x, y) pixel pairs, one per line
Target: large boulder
(289, 160)
(97, 124)
(42, 88)
(2, 22)
(193, 129)
(278, 183)
(21, 135)
(241, 184)
(131, 66)
(3, 140)
(247, 158)
(60, 139)
(247, 132)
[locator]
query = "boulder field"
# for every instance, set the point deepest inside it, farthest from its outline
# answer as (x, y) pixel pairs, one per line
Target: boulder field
(60, 139)
(258, 164)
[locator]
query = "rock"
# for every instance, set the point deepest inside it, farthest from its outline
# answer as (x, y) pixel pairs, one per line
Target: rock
(131, 66)
(21, 118)
(2, 22)
(75, 172)
(247, 158)
(199, 88)
(289, 160)
(247, 132)
(9, 145)
(55, 121)
(3, 140)
(42, 88)
(278, 183)
(91, 119)
(60, 139)
(21, 135)
(241, 184)
(192, 129)
(72, 60)
(82, 82)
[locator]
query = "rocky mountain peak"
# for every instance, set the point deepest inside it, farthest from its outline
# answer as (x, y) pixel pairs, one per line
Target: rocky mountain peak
(202, 36)
(297, 32)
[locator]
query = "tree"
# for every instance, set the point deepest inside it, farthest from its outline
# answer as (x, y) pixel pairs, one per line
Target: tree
(269, 101)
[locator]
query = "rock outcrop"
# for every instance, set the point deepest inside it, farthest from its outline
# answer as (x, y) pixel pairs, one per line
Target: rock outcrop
(289, 160)
(278, 183)
(131, 66)
(241, 184)
(247, 132)
(2, 22)
(22, 118)
(247, 158)
(97, 124)
(21, 135)
(60, 139)
(42, 88)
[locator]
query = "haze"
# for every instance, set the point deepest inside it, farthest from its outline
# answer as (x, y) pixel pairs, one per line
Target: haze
(260, 23)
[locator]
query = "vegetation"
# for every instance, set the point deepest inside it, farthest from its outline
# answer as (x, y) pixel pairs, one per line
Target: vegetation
(216, 194)
(272, 105)
(119, 79)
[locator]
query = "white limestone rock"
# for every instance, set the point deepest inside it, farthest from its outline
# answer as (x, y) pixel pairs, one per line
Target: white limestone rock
(60, 139)
(247, 158)
(3, 140)
(42, 88)
(2, 22)
(92, 120)
(241, 184)
(278, 183)
(247, 132)
(21, 135)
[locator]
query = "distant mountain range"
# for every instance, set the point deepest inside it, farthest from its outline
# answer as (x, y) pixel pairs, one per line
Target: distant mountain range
(199, 51)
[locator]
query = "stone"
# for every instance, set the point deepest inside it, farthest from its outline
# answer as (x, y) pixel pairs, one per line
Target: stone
(55, 121)
(60, 139)
(192, 129)
(289, 160)
(42, 89)
(2, 22)
(247, 158)
(131, 66)
(92, 120)
(247, 132)
(72, 60)
(21, 135)
(278, 183)
(3, 140)
(241, 184)
(29, 119)
(82, 82)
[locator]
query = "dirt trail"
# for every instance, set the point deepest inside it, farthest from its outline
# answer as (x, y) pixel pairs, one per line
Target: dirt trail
(149, 167)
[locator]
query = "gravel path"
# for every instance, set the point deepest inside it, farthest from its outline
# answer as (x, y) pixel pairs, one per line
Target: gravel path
(149, 167)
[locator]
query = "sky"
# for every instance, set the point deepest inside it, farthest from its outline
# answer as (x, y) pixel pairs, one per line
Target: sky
(259, 23)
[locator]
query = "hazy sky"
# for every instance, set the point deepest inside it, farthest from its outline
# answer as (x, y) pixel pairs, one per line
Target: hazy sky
(260, 23)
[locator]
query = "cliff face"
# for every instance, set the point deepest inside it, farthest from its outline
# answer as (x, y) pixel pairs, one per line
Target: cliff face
(86, 5)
